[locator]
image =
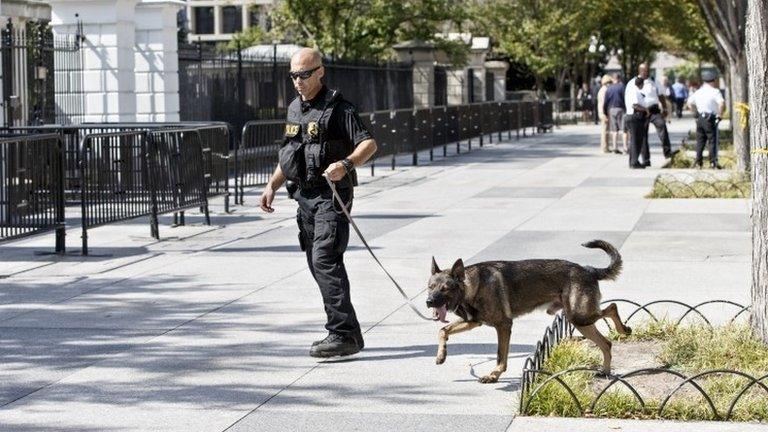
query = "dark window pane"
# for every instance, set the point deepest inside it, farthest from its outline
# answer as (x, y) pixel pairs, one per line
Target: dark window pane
(203, 20)
(232, 17)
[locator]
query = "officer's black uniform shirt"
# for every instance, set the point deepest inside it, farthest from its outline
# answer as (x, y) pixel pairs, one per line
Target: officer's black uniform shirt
(344, 124)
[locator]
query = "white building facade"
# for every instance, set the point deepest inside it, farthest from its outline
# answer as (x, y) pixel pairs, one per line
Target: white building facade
(219, 20)
(130, 57)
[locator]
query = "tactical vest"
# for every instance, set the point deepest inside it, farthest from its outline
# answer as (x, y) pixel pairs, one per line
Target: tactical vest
(307, 151)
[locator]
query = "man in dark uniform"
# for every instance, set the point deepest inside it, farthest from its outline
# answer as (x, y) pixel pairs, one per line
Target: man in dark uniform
(708, 104)
(324, 137)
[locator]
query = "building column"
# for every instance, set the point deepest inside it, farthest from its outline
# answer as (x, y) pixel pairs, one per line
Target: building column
(477, 54)
(217, 20)
(422, 56)
(157, 61)
(457, 90)
(107, 77)
(499, 71)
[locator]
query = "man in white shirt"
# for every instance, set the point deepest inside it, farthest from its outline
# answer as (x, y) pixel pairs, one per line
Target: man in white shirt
(657, 113)
(634, 101)
(709, 104)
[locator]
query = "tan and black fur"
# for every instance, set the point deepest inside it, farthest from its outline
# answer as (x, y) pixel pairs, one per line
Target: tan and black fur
(496, 292)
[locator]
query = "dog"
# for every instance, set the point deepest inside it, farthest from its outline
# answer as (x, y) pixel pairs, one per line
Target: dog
(494, 293)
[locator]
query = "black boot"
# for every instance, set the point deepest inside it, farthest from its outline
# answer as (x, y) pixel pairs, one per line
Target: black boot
(322, 340)
(335, 345)
(358, 336)
(358, 339)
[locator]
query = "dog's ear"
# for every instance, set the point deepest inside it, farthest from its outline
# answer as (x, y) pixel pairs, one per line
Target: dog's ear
(435, 268)
(457, 271)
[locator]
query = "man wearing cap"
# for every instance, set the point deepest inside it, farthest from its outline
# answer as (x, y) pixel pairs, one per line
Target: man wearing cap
(708, 104)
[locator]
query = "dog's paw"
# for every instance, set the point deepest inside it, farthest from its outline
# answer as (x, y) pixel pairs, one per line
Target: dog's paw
(627, 330)
(489, 379)
(604, 374)
(440, 359)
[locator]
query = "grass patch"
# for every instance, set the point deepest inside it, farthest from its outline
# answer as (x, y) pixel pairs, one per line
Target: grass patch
(685, 158)
(701, 185)
(688, 349)
(554, 400)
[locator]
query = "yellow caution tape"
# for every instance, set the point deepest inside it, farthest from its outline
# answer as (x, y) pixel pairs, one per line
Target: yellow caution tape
(743, 110)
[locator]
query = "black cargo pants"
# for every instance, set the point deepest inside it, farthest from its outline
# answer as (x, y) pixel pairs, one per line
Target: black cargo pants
(705, 134)
(323, 236)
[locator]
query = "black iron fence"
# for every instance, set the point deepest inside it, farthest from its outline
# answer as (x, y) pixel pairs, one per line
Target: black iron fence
(400, 132)
(565, 111)
(31, 187)
(536, 379)
(238, 87)
(42, 78)
(118, 171)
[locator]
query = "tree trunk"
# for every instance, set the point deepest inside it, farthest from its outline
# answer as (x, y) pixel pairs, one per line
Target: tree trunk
(757, 57)
(739, 97)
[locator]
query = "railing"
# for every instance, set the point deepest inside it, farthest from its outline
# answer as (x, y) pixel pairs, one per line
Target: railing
(31, 193)
(118, 171)
(535, 378)
(401, 132)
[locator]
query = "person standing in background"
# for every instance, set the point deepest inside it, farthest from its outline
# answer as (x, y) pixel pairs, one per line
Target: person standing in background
(602, 113)
(709, 104)
(635, 119)
(615, 110)
(680, 90)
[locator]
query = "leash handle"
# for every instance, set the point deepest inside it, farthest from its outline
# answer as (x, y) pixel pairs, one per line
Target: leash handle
(360, 235)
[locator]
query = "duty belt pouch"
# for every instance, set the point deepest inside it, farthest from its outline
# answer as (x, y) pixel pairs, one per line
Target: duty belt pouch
(314, 155)
(291, 155)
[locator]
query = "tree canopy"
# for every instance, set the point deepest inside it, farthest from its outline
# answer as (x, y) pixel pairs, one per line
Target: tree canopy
(367, 29)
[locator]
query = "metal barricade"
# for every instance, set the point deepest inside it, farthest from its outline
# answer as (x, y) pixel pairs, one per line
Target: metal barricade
(476, 123)
(216, 142)
(116, 182)
(31, 187)
(439, 126)
(256, 157)
(178, 176)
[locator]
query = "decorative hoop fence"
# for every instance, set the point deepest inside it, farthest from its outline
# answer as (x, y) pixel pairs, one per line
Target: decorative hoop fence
(535, 378)
(701, 185)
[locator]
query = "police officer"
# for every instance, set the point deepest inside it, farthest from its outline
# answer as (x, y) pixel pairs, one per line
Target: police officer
(324, 137)
(657, 114)
(708, 104)
(635, 121)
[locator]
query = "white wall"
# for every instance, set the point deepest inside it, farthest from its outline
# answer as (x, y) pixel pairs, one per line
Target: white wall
(130, 60)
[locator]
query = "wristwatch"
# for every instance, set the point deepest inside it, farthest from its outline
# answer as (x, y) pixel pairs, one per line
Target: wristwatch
(348, 165)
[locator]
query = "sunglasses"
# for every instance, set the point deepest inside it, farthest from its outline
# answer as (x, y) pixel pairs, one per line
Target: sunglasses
(303, 74)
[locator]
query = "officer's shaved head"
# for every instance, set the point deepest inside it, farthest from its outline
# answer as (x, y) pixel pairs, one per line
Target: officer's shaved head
(309, 61)
(307, 56)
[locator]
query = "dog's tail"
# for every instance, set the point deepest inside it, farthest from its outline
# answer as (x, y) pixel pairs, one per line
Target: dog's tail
(613, 269)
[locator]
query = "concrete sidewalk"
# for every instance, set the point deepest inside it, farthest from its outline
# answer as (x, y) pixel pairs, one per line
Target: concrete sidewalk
(209, 329)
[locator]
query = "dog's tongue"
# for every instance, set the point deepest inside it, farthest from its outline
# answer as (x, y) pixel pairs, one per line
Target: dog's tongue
(438, 314)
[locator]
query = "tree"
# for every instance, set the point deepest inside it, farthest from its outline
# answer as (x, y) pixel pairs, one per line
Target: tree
(550, 37)
(253, 35)
(685, 32)
(367, 29)
(726, 20)
(637, 42)
(757, 64)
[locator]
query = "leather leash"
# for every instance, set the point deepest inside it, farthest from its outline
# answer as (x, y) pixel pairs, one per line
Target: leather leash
(360, 235)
